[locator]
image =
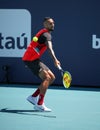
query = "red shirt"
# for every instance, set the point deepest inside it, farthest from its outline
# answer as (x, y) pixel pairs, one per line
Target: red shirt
(36, 49)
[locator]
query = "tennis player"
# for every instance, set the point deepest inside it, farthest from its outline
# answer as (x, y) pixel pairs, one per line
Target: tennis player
(41, 42)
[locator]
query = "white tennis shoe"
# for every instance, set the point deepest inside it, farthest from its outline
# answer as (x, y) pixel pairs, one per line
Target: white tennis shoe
(32, 100)
(42, 108)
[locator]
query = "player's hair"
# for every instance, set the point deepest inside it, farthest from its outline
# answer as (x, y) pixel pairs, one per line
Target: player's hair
(46, 18)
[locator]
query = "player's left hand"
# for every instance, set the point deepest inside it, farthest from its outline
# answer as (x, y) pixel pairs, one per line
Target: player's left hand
(57, 62)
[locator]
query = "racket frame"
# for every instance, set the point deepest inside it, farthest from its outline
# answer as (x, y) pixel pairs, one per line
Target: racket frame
(62, 73)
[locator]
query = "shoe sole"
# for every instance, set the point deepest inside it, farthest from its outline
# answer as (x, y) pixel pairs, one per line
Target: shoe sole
(41, 110)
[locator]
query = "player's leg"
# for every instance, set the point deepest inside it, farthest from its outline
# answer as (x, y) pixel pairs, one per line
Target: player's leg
(47, 78)
(34, 67)
(42, 71)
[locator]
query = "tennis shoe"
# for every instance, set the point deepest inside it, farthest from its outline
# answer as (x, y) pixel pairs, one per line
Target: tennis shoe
(42, 108)
(32, 100)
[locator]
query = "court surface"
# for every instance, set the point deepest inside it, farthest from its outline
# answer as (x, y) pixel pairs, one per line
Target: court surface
(72, 109)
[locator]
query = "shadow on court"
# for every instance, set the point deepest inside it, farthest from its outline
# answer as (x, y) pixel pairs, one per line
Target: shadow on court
(26, 112)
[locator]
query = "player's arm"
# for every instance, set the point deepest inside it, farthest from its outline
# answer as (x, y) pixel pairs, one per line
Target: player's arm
(52, 53)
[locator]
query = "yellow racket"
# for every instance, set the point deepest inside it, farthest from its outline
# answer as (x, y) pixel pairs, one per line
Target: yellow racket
(66, 77)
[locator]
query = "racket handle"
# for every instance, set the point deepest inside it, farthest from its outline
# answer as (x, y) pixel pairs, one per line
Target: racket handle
(59, 67)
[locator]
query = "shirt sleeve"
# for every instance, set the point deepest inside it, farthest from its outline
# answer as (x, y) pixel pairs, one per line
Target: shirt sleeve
(48, 36)
(44, 38)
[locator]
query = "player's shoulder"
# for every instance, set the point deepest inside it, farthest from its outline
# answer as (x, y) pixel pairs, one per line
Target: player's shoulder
(46, 34)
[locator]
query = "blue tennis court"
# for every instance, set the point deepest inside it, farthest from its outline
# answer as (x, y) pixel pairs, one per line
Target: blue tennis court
(72, 109)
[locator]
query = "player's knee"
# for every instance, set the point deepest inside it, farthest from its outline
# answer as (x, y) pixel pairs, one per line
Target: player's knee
(49, 78)
(53, 78)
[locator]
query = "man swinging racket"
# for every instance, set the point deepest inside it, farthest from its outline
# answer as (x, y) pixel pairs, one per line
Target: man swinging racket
(40, 43)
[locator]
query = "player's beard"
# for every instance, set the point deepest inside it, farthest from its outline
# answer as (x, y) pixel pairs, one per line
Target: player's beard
(51, 29)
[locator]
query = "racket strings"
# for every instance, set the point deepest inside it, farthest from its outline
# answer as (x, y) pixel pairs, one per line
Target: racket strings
(67, 79)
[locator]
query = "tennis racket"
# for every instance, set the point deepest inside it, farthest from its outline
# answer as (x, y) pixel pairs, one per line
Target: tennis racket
(66, 77)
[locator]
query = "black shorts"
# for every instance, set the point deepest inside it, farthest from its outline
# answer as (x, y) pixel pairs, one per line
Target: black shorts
(36, 66)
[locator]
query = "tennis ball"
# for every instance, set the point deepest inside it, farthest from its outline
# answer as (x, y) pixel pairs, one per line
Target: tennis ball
(35, 39)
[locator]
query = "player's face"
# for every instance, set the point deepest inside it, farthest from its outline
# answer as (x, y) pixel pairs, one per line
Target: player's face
(50, 24)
